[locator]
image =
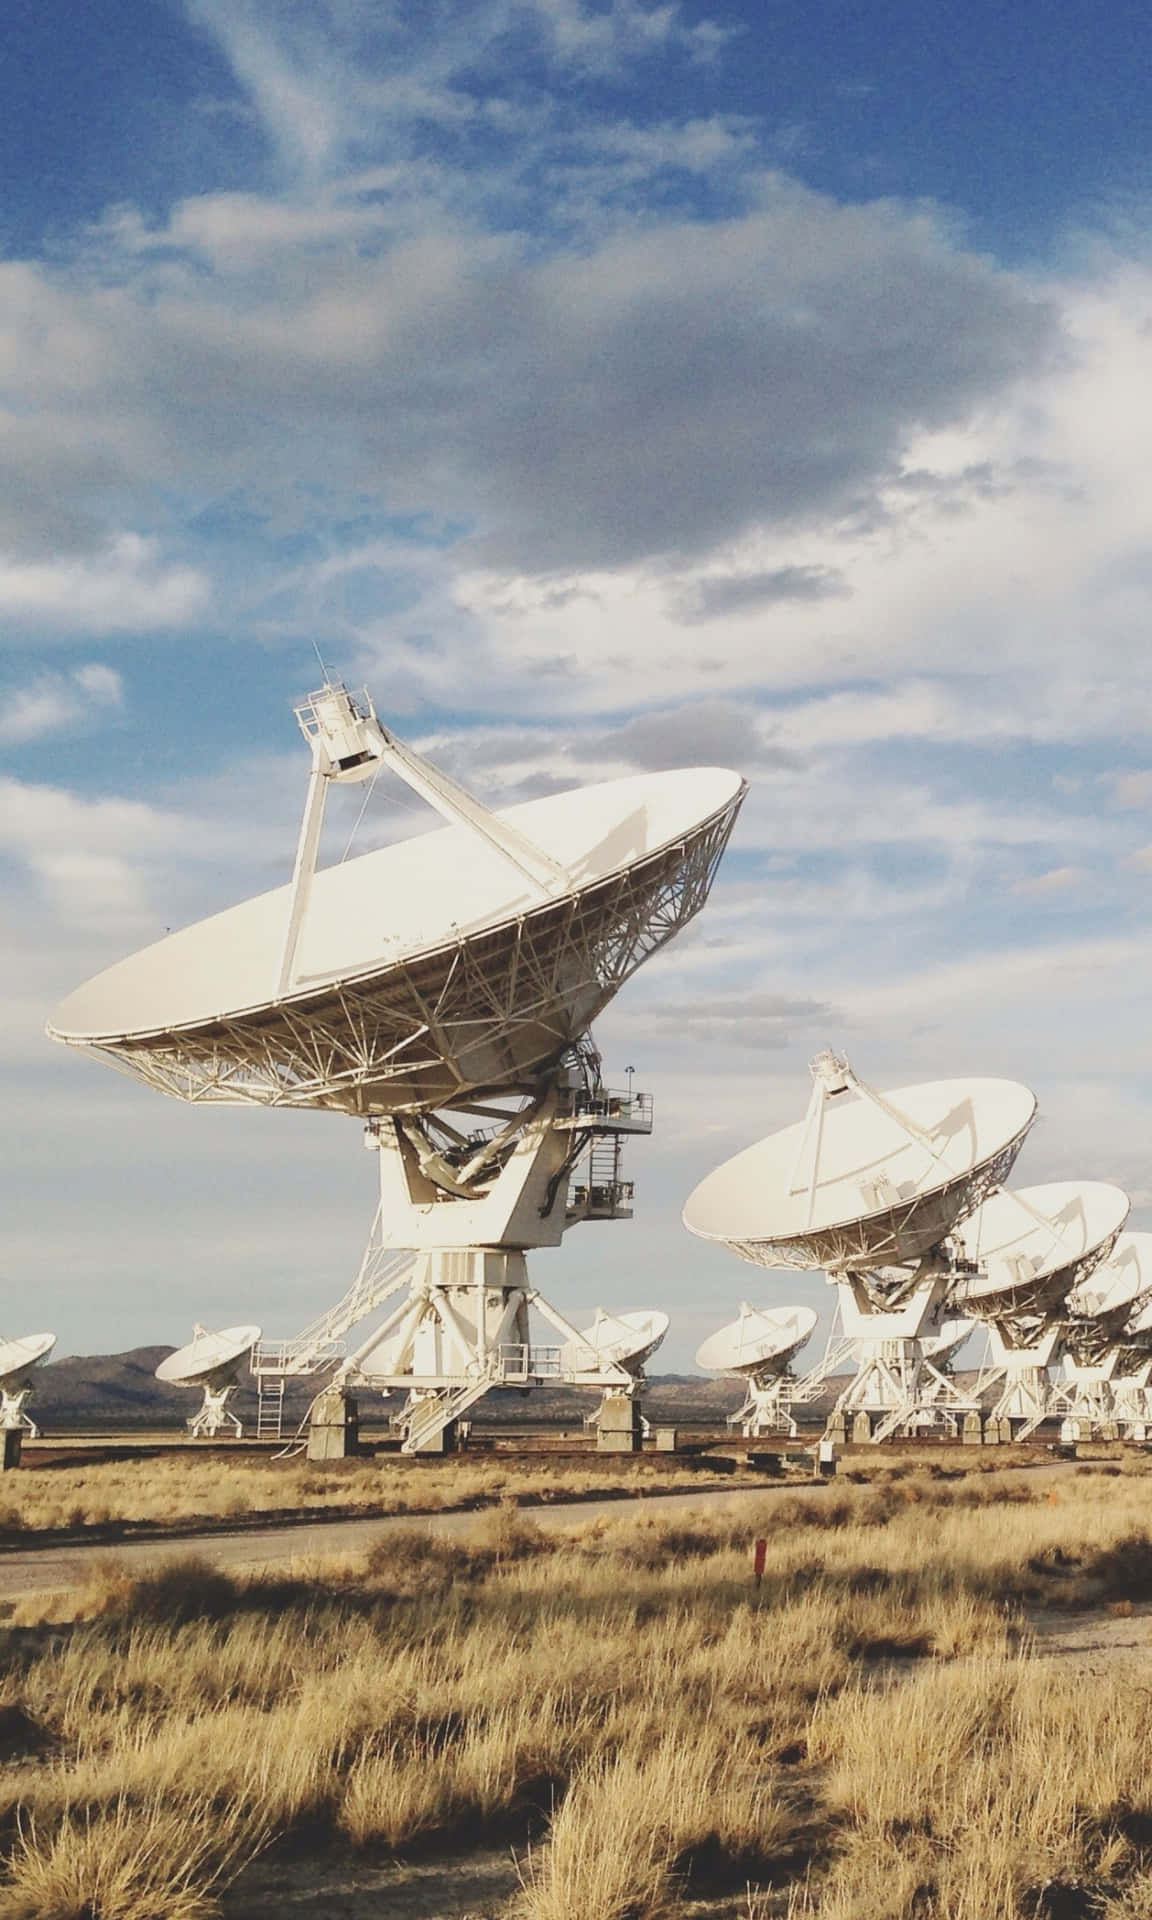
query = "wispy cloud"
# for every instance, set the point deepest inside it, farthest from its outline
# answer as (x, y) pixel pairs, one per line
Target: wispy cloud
(59, 704)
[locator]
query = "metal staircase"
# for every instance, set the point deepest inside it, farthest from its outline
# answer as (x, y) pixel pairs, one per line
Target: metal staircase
(383, 1271)
(512, 1364)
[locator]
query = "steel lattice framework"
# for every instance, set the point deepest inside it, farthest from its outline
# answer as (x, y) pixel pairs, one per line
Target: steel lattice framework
(1040, 1303)
(900, 1234)
(487, 1011)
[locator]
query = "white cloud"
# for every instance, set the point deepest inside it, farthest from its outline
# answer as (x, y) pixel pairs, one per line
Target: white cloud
(125, 589)
(59, 703)
(1053, 880)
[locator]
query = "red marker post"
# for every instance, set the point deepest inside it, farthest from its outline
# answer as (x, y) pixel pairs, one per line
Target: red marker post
(758, 1559)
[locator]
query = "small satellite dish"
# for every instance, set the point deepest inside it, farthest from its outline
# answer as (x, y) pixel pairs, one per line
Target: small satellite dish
(211, 1361)
(761, 1340)
(18, 1357)
(866, 1178)
(18, 1361)
(448, 963)
(1032, 1245)
(624, 1339)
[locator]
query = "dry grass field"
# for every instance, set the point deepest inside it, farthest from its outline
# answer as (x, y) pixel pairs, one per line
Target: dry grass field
(874, 1733)
(187, 1488)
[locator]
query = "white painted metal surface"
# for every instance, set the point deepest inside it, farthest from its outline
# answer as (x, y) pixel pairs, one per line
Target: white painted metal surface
(760, 1340)
(18, 1362)
(421, 970)
(209, 1357)
(442, 989)
(623, 1339)
(866, 1177)
(1032, 1245)
(18, 1357)
(212, 1362)
(947, 1339)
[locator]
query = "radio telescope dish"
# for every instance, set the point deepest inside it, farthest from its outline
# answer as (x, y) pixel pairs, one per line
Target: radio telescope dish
(1138, 1329)
(1033, 1245)
(947, 1340)
(626, 1339)
(210, 1359)
(866, 1179)
(1112, 1296)
(422, 971)
(18, 1362)
(442, 989)
(18, 1357)
(760, 1340)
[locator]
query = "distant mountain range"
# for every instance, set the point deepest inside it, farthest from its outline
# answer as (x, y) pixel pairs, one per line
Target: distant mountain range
(111, 1391)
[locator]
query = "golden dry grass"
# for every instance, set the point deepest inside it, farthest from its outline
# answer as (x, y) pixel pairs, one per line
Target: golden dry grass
(868, 1734)
(190, 1487)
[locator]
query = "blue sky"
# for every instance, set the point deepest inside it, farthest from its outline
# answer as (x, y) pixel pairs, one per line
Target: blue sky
(609, 386)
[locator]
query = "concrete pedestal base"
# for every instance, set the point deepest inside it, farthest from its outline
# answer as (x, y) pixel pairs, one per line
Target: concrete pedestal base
(619, 1428)
(334, 1429)
(11, 1441)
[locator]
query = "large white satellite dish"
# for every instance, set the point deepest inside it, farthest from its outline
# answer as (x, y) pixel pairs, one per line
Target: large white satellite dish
(1114, 1294)
(761, 1340)
(442, 989)
(211, 1361)
(18, 1361)
(1031, 1246)
(867, 1178)
(424, 970)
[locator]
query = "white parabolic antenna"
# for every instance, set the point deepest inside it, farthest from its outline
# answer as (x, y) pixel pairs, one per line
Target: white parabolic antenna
(866, 1178)
(759, 1340)
(948, 1338)
(210, 1359)
(1113, 1295)
(1136, 1337)
(1033, 1245)
(18, 1357)
(423, 970)
(415, 986)
(626, 1339)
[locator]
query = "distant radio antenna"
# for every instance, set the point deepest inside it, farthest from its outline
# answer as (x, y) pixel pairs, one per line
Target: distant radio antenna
(320, 658)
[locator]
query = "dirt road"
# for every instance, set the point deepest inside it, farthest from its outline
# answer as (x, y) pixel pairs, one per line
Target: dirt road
(25, 1570)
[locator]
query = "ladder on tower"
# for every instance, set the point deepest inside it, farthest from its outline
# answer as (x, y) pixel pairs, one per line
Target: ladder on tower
(269, 1406)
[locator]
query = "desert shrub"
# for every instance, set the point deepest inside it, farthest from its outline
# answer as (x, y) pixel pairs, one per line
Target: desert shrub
(1123, 1570)
(156, 1861)
(180, 1591)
